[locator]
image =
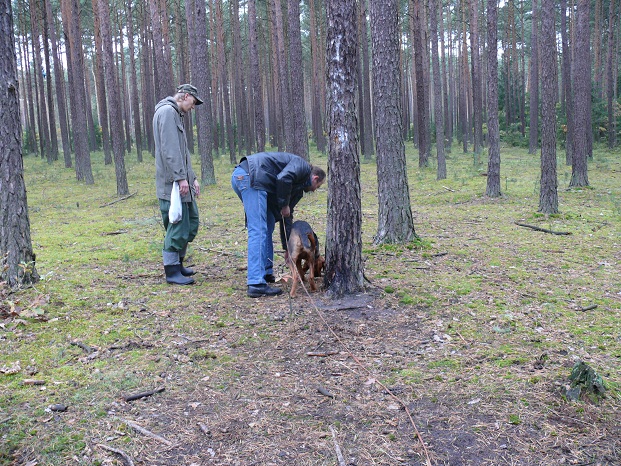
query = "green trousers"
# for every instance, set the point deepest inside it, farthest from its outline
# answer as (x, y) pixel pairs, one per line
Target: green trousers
(179, 234)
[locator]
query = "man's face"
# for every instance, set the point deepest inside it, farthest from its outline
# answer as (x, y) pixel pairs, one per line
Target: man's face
(187, 103)
(315, 183)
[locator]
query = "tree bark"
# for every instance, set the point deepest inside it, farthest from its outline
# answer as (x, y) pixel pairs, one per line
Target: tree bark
(420, 58)
(548, 195)
(395, 223)
(533, 139)
(581, 81)
(567, 87)
(256, 78)
(366, 122)
(134, 81)
(196, 17)
(296, 68)
(17, 259)
(224, 84)
(114, 94)
(100, 86)
(493, 132)
(610, 77)
(477, 101)
(437, 90)
(344, 267)
(79, 117)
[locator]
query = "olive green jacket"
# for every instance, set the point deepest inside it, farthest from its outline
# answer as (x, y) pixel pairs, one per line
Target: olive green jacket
(172, 156)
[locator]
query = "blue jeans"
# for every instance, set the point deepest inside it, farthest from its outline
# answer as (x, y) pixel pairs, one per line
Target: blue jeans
(260, 223)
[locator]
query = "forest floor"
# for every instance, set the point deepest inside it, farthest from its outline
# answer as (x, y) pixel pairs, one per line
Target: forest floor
(459, 351)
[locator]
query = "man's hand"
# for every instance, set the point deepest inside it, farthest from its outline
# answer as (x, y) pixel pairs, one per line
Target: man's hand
(285, 211)
(197, 189)
(184, 187)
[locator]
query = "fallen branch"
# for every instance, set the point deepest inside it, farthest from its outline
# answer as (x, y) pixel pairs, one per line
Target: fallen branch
(111, 233)
(125, 456)
(148, 433)
(339, 455)
(33, 382)
(137, 396)
(321, 353)
(561, 233)
(84, 346)
(119, 200)
(588, 308)
(325, 392)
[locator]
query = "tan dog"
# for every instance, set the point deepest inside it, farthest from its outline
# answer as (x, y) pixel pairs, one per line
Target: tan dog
(303, 245)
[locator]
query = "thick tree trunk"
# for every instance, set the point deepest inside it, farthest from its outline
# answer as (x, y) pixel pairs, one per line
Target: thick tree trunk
(581, 82)
(17, 259)
(395, 223)
(344, 266)
(493, 161)
(296, 68)
(548, 195)
(114, 94)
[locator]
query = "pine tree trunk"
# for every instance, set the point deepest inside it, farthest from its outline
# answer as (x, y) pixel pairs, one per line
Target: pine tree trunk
(224, 84)
(477, 101)
(610, 77)
(114, 94)
(581, 82)
(256, 78)
(100, 87)
(318, 56)
(548, 195)
(395, 223)
(420, 57)
(493, 132)
(134, 81)
(567, 87)
(60, 88)
(298, 113)
(77, 82)
(437, 90)
(196, 17)
(17, 259)
(344, 267)
(533, 139)
(50, 90)
(366, 124)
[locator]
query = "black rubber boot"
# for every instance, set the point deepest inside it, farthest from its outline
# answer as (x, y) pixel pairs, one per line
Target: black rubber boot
(256, 291)
(186, 272)
(174, 277)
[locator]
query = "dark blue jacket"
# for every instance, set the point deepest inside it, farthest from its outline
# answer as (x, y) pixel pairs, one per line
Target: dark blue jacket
(283, 176)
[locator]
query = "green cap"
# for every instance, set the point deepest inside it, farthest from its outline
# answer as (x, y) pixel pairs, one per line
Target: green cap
(189, 89)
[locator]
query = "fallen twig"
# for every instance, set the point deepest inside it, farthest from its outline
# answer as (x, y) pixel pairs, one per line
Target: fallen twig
(111, 233)
(224, 253)
(84, 346)
(33, 382)
(588, 308)
(119, 199)
(321, 353)
(561, 233)
(125, 456)
(137, 396)
(148, 433)
(339, 455)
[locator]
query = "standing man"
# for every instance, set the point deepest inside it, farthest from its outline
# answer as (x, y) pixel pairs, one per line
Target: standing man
(270, 184)
(173, 163)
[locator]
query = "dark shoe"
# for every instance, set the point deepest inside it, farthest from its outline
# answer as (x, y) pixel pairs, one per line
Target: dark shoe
(186, 272)
(270, 278)
(256, 291)
(174, 277)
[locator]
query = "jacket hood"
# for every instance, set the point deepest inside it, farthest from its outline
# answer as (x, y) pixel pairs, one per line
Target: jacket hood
(167, 101)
